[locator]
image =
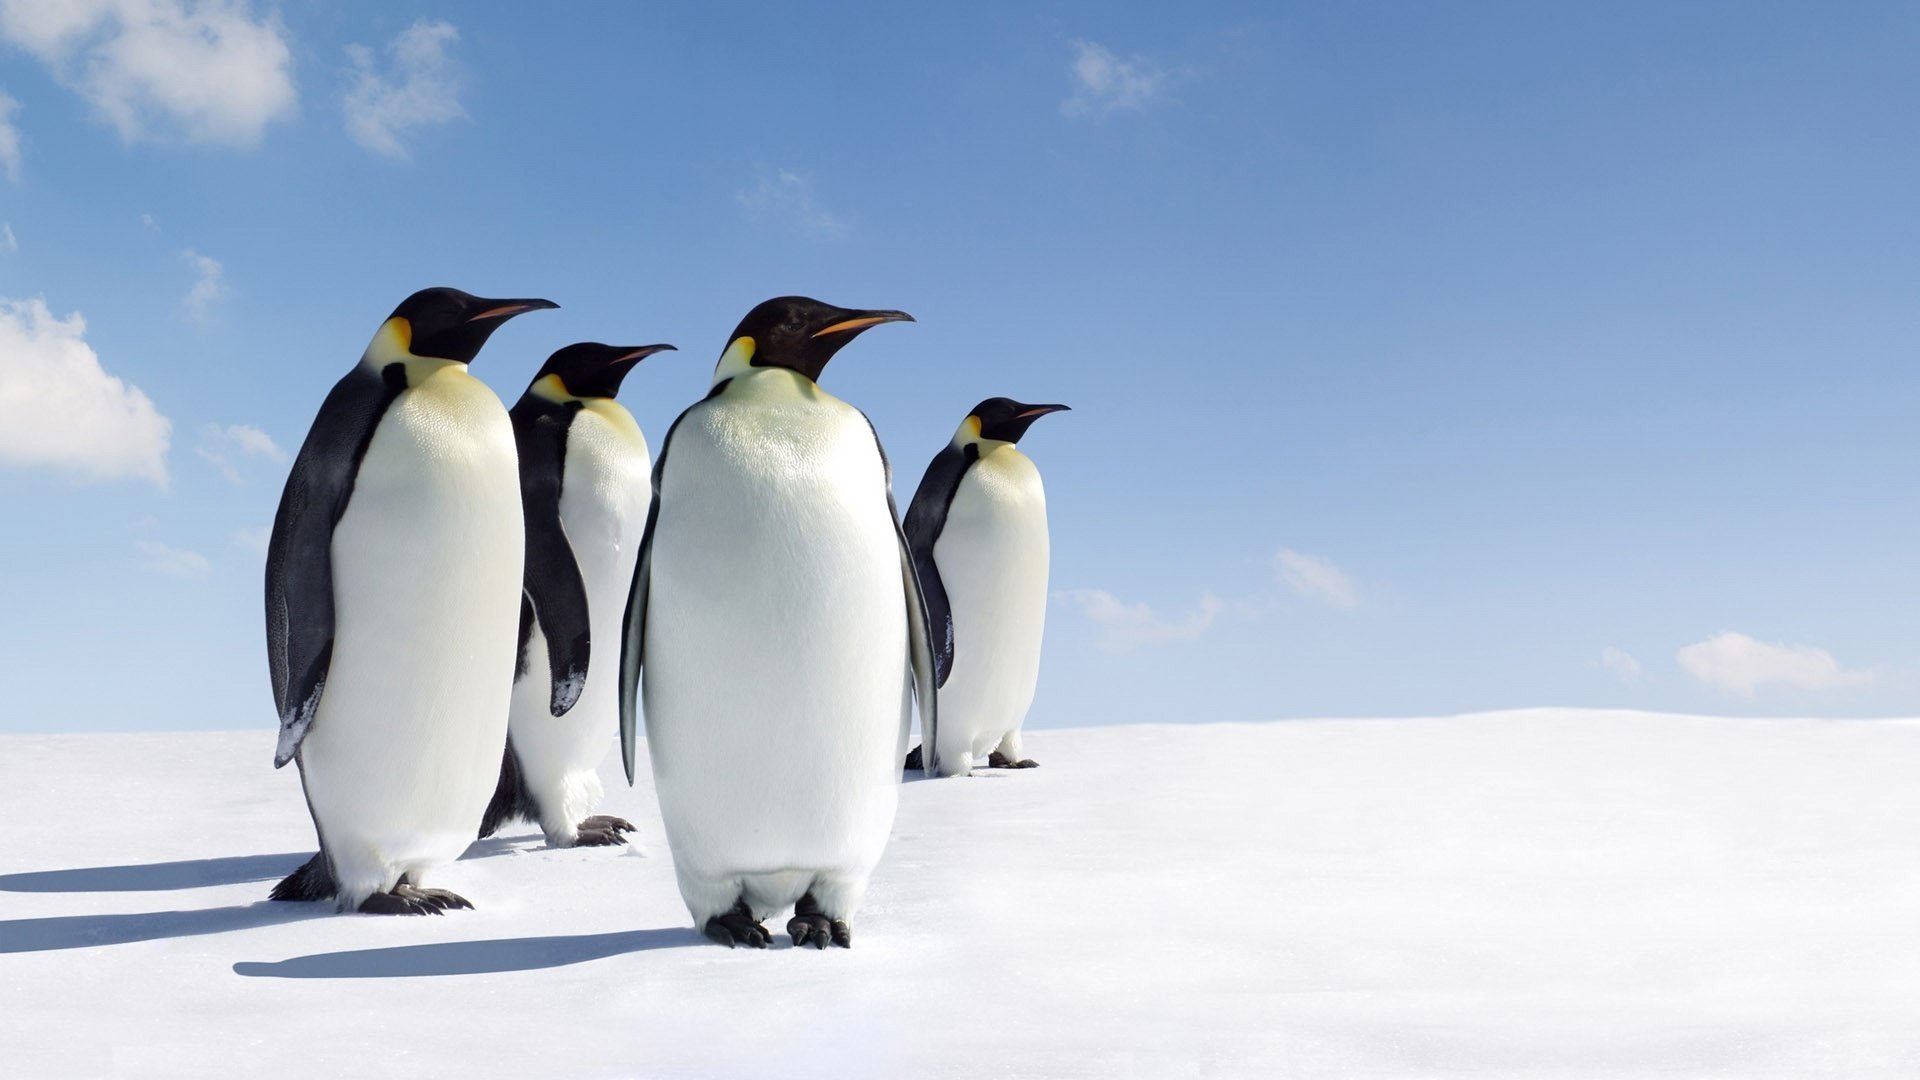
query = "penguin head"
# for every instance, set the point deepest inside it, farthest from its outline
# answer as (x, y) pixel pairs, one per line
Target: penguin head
(447, 324)
(1002, 420)
(589, 369)
(797, 333)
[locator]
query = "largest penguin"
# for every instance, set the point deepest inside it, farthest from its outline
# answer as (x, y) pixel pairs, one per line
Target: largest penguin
(393, 603)
(780, 625)
(583, 481)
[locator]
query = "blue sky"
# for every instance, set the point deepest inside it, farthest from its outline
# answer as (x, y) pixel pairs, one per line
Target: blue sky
(1424, 358)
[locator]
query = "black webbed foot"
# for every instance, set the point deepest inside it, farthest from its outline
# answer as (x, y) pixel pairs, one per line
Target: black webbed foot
(913, 760)
(810, 926)
(608, 822)
(998, 760)
(589, 836)
(405, 899)
(738, 927)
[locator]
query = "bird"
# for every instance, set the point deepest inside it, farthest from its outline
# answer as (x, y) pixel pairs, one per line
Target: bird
(778, 621)
(585, 486)
(977, 528)
(392, 600)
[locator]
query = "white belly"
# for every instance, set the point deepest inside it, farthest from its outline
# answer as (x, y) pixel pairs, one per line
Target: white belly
(776, 639)
(992, 557)
(603, 507)
(405, 749)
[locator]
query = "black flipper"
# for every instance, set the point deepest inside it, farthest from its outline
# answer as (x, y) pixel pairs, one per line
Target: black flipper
(920, 647)
(300, 613)
(633, 636)
(313, 881)
(511, 799)
(926, 520)
(553, 583)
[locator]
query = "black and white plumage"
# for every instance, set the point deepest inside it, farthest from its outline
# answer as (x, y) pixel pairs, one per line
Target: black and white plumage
(584, 469)
(392, 602)
(977, 528)
(782, 634)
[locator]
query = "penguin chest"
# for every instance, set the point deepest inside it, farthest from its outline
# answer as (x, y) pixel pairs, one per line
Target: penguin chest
(992, 557)
(776, 636)
(427, 562)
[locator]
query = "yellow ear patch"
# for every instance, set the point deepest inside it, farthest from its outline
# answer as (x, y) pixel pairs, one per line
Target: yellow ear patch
(737, 360)
(552, 388)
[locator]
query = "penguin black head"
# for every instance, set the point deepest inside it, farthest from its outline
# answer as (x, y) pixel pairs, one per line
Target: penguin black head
(1005, 419)
(447, 324)
(797, 333)
(589, 369)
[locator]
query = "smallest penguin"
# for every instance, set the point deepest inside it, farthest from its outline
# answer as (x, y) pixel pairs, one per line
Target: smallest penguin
(584, 490)
(977, 529)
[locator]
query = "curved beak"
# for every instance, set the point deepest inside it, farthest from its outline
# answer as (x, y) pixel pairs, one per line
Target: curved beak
(1034, 412)
(507, 309)
(635, 355)
(860, 320)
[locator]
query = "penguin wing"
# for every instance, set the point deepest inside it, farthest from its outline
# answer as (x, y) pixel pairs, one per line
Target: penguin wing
(633, 636)
(920, 639)
(299, 591)
(926, 519)
(552, 582)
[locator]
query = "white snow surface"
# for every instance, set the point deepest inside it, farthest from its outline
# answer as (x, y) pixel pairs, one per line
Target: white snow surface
(1528, 894)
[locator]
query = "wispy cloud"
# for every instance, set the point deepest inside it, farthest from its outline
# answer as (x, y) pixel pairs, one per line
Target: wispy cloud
(207, 71)
(207, 287)
(9, 137)
(1103, 83)
(1315, 578)
(220, 444)
(1124, 626)
(253, 540)
(147, 220)
(1621, 663)
(788, 197)
(7, 239)
(1741, 665)
(59, 407)
(420, 86)
(172, 561)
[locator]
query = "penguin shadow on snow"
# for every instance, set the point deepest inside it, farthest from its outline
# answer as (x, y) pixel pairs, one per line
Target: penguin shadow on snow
(488, 957)
(156, 877)
(57, 932)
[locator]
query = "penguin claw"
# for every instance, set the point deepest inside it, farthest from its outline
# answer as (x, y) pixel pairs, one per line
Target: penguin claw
(814, 930)
(602, 822)
(998, 760)
(738, 927)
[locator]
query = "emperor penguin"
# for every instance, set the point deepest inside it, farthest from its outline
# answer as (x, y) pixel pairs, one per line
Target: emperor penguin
(783, 637)
(393, 603)
(584, 485)
(977, 528)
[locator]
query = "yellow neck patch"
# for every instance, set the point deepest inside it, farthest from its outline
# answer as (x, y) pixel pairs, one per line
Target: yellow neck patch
(736, 361)
(393, 344)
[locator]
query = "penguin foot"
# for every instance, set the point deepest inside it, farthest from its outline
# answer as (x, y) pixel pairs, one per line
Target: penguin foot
(590, 835)
(810, 926)
(408, 900)
(998, 760)
(914, 759)
(738, 927)
(604, 822)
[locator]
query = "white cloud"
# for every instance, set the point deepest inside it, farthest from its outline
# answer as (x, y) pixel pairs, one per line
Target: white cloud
(209, 286)
(207, 71)
(254, 540)
(788, 196)
(420, 87)
(1621, 663)
(1104, 83)
(147, 220)
(7, 239)
(9, 137)
(1315, 578)
(1739, 664)
(59, 407)
(218, 444)
(1124, 626)
(173, 561)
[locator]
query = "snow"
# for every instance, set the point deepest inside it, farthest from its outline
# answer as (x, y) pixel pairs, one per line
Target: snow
(1531, 894)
